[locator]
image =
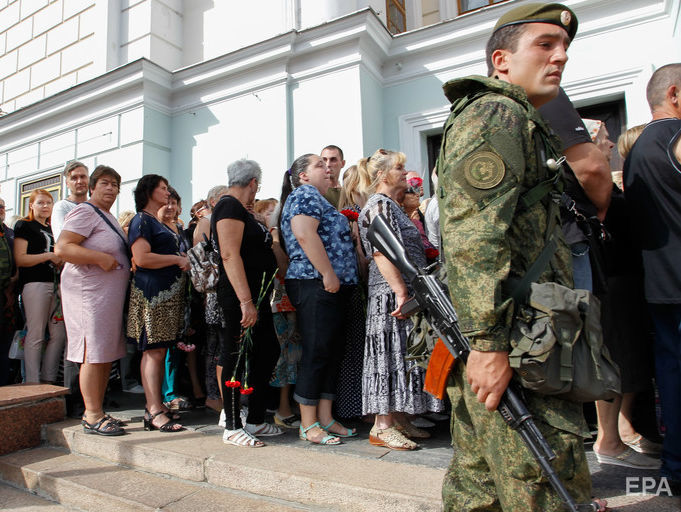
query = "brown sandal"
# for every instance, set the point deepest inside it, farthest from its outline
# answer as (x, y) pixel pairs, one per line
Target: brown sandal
(390, 438)
(411, 431)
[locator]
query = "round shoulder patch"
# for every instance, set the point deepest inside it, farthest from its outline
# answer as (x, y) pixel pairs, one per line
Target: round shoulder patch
(484, 170)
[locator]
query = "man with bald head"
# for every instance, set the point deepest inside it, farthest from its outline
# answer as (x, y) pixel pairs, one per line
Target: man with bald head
(652, 188)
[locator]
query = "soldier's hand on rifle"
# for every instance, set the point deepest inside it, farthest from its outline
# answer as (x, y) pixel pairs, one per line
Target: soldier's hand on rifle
(488, 374)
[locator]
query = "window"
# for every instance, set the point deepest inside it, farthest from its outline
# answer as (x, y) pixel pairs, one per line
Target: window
(613, 114)
(471, 5)
(396, 16)
(51, 183)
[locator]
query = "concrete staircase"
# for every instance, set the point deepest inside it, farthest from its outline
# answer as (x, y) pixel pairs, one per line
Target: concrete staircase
(195, 471)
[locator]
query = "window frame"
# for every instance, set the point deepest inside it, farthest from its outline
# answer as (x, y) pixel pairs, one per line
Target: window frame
(51, 183)
(489, 3)
(402, 7)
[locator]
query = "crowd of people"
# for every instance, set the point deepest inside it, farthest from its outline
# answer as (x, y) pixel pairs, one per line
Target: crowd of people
(306, 306)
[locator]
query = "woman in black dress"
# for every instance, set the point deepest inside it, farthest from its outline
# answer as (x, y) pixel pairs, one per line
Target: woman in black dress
(248, 266)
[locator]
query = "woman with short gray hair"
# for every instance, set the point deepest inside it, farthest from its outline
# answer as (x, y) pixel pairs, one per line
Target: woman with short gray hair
(242, 172)
(248, 265)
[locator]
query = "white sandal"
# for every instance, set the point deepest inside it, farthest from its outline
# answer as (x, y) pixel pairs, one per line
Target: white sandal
(264, 429)
(241, 437)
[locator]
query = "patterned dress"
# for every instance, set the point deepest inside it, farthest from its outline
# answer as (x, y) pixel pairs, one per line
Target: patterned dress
(156, 317)
(348, 403)
(284, 318)
(389, 383)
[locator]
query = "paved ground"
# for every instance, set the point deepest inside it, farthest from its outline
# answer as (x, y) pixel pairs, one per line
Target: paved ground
(609, 482)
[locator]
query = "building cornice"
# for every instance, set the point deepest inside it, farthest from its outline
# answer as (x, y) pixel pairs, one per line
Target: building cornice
(356, 40)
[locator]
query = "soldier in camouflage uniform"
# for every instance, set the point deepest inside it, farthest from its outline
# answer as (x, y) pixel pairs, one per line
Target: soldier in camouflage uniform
(487, 162)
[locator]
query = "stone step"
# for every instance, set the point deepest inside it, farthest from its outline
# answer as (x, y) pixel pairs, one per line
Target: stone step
(18, 499)
(316, 477)
(24, 408)
(89, 484)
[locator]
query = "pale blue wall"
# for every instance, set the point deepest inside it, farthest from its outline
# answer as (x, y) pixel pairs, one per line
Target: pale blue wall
(416, 96)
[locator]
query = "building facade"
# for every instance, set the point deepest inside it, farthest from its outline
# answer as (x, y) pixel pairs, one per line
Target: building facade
(182, 88)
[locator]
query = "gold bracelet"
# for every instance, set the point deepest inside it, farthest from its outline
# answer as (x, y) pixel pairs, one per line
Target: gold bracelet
(245, 302)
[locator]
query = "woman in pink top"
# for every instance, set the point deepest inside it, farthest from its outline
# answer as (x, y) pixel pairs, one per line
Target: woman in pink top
(94, 283)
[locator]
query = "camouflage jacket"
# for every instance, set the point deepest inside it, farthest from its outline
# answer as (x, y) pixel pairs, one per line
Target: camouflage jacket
(487, 162)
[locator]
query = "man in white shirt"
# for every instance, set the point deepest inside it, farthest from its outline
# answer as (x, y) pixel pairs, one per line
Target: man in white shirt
(76, 176)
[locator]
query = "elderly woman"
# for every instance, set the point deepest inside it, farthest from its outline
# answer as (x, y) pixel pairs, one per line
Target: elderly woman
(38, 281)
(157, 294)
(248, 266)
(213, 314)
(391, 386)
(320, 279)
(93, 285)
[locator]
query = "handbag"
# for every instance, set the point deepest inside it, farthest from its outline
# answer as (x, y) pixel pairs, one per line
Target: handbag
(204, 266)
(16, 348)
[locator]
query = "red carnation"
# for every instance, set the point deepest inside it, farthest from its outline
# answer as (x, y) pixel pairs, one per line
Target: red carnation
(232, 383)
(432, 253)
(247, 391)
(350, 214)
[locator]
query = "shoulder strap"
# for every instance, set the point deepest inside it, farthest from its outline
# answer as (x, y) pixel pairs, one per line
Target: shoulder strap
(544, 188)
(101, 214)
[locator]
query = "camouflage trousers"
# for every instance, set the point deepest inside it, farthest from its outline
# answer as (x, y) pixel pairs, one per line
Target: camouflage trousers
(492, 469)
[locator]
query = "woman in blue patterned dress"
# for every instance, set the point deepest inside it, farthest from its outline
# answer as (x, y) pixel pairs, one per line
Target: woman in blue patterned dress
(391, 386)
(157, 294)
(320, 278)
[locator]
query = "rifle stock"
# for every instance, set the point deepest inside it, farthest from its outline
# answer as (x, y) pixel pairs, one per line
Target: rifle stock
(431, 297)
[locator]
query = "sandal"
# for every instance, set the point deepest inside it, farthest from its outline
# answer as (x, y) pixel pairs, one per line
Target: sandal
(168, 426)
(263, 430)
(350, 432)
(178, 404)
(117, 421)
(292, 421)
(103, 427)
(171, 415)
(390, 438)
(241, 437)
(328, 440)
(411, 431)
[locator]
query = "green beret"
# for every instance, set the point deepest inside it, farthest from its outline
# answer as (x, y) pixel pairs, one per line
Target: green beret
(556, 14)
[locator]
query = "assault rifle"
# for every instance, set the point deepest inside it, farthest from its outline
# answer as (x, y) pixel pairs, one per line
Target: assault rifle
(432, 298)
